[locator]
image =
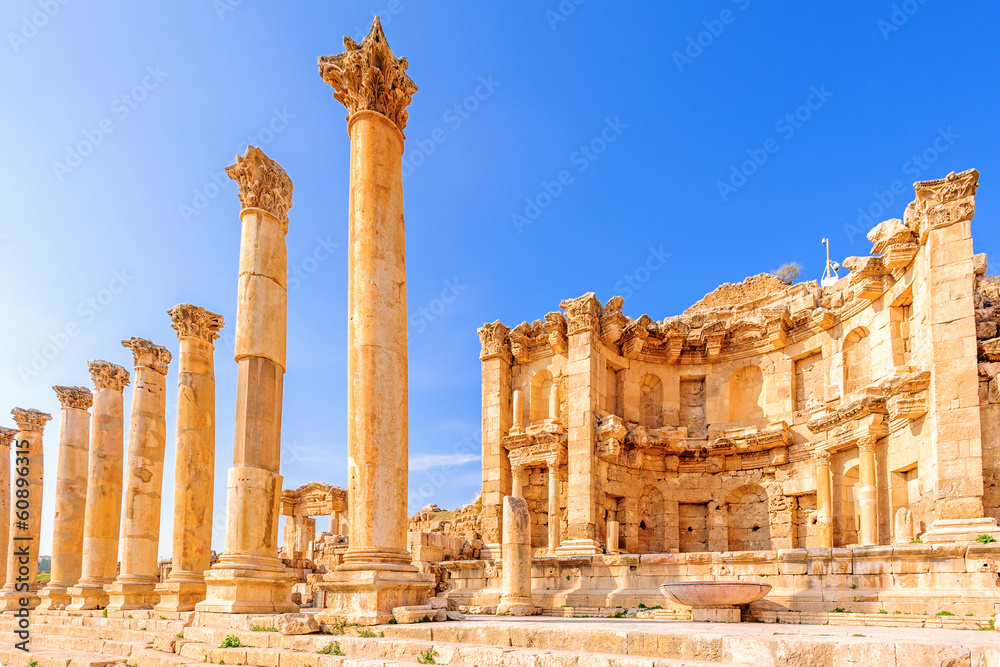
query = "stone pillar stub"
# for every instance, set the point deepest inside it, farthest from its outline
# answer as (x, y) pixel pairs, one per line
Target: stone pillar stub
(71, 496)
(133, 589)
(194, 466)
(102, 518)
(249, 577)
(25, 529)
(516, 555)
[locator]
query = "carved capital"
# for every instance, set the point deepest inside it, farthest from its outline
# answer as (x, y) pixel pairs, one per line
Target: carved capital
(582, 313)
(31, 421)
(822, 457)
(195, 321)
(942, 202)
(368, 77)
(495, 341)
(148, 354)
(7, 437)
(866, 444)
(263, 184)
(555, 327)
(108, 375)
(79, 398)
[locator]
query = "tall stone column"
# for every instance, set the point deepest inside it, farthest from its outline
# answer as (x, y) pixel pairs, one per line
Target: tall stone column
(6, 440)
(26, 512)
(516, 552)
(554, 535)
(71, 496)
(194, 466)
(377, 573)
(824, 499)
(499, 420)
(101, 523)
(147, 439)
(867, 493)
(249, 577)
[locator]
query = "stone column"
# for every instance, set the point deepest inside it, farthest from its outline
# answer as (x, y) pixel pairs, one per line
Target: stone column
(867, 493)
(71, 496)
(101, 523)
(147, 439)
(517, 481)
(249, 577)
(612, 546)
(499, 420)
(554, 535)
(194, 466)
(554, 401)
(376, 574)
(26, 512)
(516, 553)
(824, 499)
(518, 410)
(6, 440)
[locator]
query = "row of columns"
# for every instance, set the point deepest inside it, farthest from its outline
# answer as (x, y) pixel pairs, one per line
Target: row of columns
(867, 495)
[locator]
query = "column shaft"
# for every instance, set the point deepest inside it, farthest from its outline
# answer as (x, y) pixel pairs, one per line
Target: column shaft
(7, 436)
(516, 553)
(553, 506)
(867, 493)
(824, 500)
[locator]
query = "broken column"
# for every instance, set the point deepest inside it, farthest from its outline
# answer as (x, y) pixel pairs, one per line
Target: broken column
(147, 439)
(71, 496)
(824, 499)
(102, 518)
(6, 440)
(249, 577)
(516, 553)
(26, 513)
(376, 574)
(867, 494)
(194, 467)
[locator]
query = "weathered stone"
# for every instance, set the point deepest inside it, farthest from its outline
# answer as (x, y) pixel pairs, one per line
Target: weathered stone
(297, 624)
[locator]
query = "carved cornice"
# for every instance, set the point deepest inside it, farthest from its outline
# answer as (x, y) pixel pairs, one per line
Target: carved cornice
(520, 342)
(147, 354)
(367, 76)
(942, 202)
(867, 279)
(494, 339)
(907, 394)
(7, 436)
(582, 313)
(107, 375)
(895, 242)
(30, 420)
(634, 336)
(196, 322)
(79, 398)
(263, 184)
(555, 327)
(612, 320)
(852, 411)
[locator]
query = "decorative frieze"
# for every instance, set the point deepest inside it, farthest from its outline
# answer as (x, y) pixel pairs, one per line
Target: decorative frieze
(634, 336)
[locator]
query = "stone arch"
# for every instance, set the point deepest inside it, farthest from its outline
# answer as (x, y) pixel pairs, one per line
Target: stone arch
(651, 529)
(749, 519)
(857, 360)
(542, 385)
(651, 401)
(746, 394)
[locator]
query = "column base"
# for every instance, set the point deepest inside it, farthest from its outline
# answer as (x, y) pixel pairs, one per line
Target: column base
(368, 597)
(961, 530)
(180, 593)
(248, 585)
(579, 547)
(128, 595)
(490, 551)
(54, 597)
(89, 594)
(716, 614)
(517, 607)
(10, 599)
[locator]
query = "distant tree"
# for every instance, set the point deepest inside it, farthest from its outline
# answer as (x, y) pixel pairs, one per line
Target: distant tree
(787, 272)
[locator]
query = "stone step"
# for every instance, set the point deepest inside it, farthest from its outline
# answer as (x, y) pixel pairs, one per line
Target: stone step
(153, 658)
(48, 657)
(103, 646)
(106, 633)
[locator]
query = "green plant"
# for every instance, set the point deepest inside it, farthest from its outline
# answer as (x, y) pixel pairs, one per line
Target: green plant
(142, 629)
(333, 648)
(179, 635)
(567, 577)
(985, 539)
(392, 621)
(104, 612)
(917, 541)
(427, 657)
(231, 641)
(129, 616)
(840, 610)
(425, 619)
(618, 614)
(32, 663)
(897, 612)
(853, 586)
(857, 634)
(944, 612)
(337, 626)
(368, 634)
(222, 662)
(263, 628)
(882, 611)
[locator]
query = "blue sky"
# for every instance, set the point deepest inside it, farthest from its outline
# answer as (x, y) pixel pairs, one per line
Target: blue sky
(652, 150)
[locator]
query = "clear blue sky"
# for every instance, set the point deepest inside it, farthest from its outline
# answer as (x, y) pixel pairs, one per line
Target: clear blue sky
(622, 123)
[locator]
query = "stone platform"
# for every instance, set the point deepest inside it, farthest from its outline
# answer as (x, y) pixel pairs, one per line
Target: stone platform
(144, 639)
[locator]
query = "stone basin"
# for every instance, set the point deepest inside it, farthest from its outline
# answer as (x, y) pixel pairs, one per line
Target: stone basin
(715, 601)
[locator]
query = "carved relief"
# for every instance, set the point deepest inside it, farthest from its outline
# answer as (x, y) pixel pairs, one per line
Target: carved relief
(582, 313)
(107, 375)
(79, 398)
(519, 342)
(148, 354)
(867, 279)
(942, 202)
(555, 327)
(263, 184)
(7, 437)
(906, 394)
(190, 320)
(894, 241)
(30, 420)
(634, 336)
(612, 320)
(494, 340)
(368, 77)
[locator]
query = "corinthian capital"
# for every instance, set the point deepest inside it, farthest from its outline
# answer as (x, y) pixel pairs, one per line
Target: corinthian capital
(148, 354)
(582, 313)
(190, 320)
(867, 444)
(79, 398)
(7, 437)
(263, 184)
(495, 341)
(822, 457)
(108, 375)
(367, 76)
(32, 421)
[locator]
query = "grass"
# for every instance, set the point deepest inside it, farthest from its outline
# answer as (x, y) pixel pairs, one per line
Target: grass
(231, 641)
(338, 626)
(917, 541)
(985, 539)
(944, 612)
(263, 628)
(32, 663)
(425, 619)
(840, 610)
(333, 648)
(104, 612)
(368, 634)
(179, 635)
(618, 614)
(882, 611)
(43, 576)
(427, 657)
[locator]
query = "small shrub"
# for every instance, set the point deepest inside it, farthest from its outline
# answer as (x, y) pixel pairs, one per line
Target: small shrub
(231, 641)
(263, 628)
(883, 611)
(787, 273)
(333, 648)
(427, 657)
(104, 612)
(857, 634)
(32, 663)
(985, 539)
(917, 541)
(368, 634)
(392, 621)
(897, 612)
(618, 614)
(425, 619)
(840, 610)
(179, 635)
(944, 612)
(853, 586)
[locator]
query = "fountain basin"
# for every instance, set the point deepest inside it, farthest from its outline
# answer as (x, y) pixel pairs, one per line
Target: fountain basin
(715, 601)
